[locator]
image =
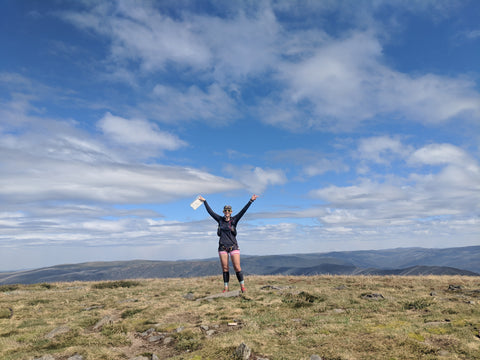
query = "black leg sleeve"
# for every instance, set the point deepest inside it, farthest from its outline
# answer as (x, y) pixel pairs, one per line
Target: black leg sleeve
(226, 276)
(240, 276)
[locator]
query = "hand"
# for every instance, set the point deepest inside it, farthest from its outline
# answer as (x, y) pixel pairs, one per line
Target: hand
(254, 197)
(201, 198)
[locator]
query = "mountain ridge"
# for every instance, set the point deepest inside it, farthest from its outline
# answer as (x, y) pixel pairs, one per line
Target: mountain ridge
(400, 261)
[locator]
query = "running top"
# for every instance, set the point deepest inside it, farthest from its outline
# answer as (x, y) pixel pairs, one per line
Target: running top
(227, 229)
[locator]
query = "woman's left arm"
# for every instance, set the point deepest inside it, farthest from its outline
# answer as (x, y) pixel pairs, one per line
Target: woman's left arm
(245, 208)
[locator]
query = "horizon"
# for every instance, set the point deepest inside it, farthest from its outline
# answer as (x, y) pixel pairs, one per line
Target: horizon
(356, 123)
(244, 255)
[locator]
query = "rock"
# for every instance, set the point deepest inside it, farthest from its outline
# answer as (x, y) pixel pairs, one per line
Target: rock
(76, 357)
(271, 287)
(58, 331)
(243, 352)
(140, 358)
(373, 296)
(107, 320)
(45, 357)
(155, 338)
(454, 287)
(167, 340)
(204, 327)
(155, 357)
(179, 329)
(210, 332)
(147, 332)
(189, 296)
(221, 295)
(315, 357)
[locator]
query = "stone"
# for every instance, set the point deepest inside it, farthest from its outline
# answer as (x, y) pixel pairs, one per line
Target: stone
(271, 287)
(107, 320)
(189, 296)
(221, 295)
(373, 296)
(147, 332)
(315, 357)
(210, 332)
(167, 340)
(243, 352)
(454, 287)
(76, 357)
(179, 329)
(58, 331)
(45, 357)
(155, 338)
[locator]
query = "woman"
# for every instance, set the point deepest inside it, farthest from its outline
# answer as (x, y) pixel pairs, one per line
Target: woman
(227, 243)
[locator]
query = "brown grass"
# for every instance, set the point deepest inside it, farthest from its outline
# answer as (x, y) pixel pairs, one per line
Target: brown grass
(281, 317)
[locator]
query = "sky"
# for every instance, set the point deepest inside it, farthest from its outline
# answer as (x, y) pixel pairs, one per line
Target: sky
(356, 122)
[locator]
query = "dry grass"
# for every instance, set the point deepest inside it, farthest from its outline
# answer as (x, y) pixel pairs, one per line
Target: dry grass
(335, 317)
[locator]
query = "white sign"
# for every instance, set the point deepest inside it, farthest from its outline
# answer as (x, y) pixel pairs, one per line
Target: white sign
(196, 203)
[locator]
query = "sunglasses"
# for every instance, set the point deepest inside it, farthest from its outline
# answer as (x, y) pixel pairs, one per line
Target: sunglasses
(227, 210)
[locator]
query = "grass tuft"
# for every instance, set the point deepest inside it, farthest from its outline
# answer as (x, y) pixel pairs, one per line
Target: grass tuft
(116, 284)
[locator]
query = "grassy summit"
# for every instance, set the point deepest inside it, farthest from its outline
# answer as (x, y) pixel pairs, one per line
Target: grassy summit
(280, 317)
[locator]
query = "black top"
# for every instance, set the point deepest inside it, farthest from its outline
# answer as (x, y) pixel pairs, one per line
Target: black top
(227, 229)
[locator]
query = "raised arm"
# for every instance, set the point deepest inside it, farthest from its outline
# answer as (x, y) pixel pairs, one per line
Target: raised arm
(212, 213)
(245, 208)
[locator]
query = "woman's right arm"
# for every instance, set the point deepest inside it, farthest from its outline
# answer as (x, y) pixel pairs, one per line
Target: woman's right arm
(209, 209)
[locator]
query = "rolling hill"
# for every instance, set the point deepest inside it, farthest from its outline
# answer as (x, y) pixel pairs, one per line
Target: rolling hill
(402, 261)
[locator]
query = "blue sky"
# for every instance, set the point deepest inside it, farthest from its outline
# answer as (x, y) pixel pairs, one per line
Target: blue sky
(356, 122)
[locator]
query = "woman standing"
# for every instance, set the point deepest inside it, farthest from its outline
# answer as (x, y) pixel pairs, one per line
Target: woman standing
(227, 243)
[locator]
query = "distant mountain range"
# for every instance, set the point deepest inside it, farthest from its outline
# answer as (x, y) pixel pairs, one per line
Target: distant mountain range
(402, 261)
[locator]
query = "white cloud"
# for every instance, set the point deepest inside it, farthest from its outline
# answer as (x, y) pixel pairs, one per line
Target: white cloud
(138, 133)
(345, 82)
(143, 35)
(212, 105)
(452, 191)
(257, 179)
(321, 166)
(381, 149)
(437, 154)
(318, 81)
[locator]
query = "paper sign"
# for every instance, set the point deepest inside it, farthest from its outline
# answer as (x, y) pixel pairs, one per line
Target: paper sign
(196, 203)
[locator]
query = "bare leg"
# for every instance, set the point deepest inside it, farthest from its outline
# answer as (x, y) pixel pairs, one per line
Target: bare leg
(236, 262)
(224, 261)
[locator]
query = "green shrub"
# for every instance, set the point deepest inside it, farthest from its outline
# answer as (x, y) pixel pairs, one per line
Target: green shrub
(130, 313)
(187, 341)
(302, 299)
(6, 313)
(6, 288)
(116, 284)
(418, 304)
